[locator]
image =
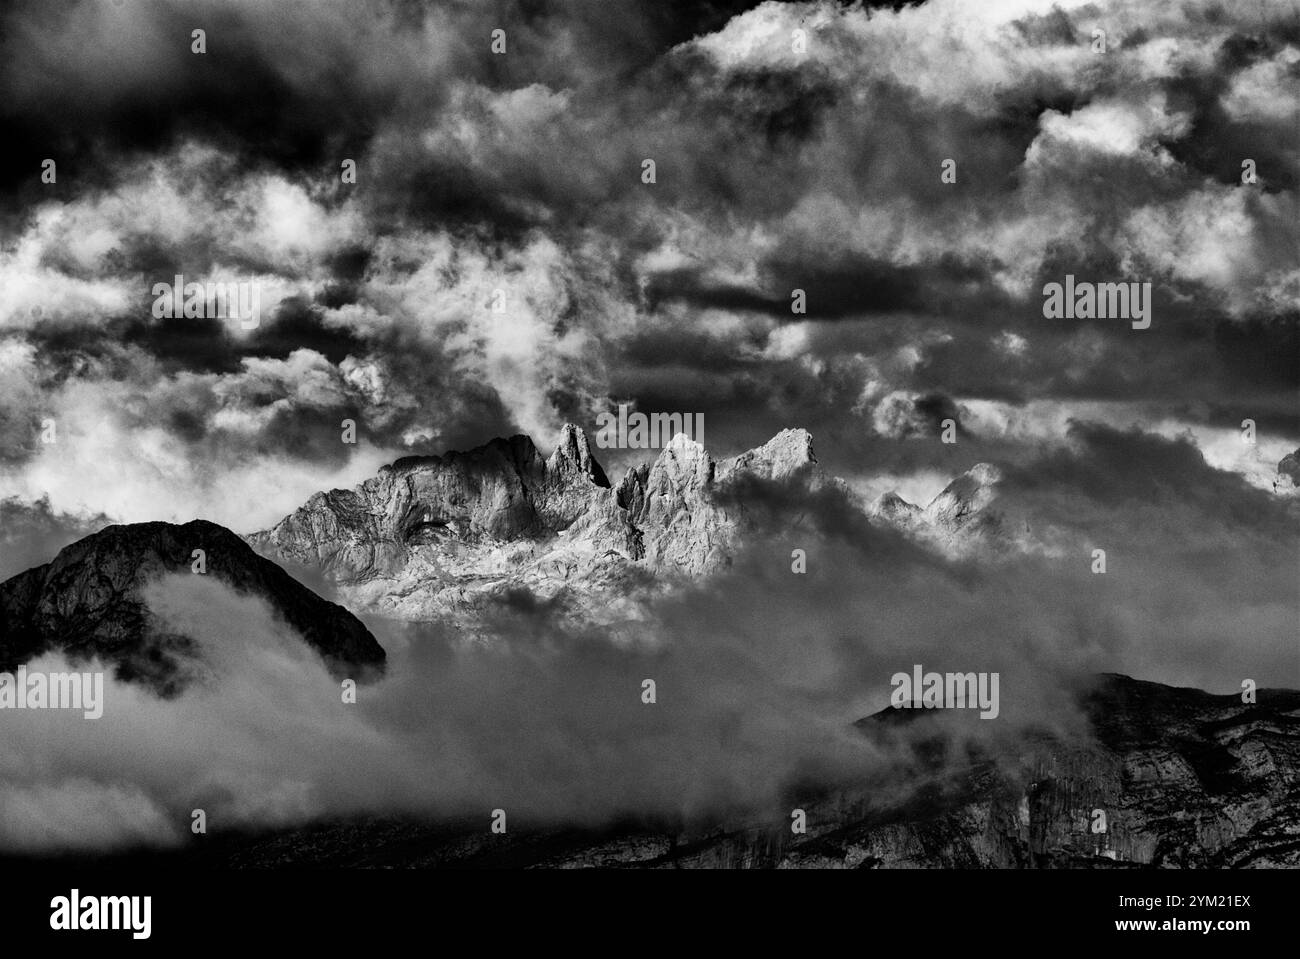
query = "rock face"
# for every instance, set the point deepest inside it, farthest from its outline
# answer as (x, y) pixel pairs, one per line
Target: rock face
(895, 509)
(88, 602)
(447, 536)
(1184, 778)
(433, 535)
(1289, 466)
(960, 516)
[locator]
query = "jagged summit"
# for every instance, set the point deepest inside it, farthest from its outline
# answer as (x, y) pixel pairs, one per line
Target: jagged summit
(572, 454)
(437, 536)
(958, 519)
(785, 454)
(893, 506)
(965, 496)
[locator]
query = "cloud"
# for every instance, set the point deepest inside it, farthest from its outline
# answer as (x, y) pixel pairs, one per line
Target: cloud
(545, 723)
(777, 169)
(241, 449)
(31, 533)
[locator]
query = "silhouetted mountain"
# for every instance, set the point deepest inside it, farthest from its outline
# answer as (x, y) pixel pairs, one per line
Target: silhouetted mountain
(88, 602)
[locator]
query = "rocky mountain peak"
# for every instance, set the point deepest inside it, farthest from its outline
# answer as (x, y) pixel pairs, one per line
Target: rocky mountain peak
(572, 456)
(682, 465)
(965, 496)
(438, 536)
(784, 455)
(892, 506)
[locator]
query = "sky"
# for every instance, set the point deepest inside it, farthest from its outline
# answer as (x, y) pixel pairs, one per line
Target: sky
(521, 172)
(796, 146)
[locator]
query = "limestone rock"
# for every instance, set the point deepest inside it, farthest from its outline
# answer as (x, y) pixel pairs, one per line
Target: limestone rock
(449, 537)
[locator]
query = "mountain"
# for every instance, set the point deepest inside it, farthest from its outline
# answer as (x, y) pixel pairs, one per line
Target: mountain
(88, 602)
(958, 521)
(1289, 466)
(450, 536)
(1186, 780)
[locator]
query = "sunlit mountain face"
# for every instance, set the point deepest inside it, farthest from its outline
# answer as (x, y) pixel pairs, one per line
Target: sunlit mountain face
(648, 422)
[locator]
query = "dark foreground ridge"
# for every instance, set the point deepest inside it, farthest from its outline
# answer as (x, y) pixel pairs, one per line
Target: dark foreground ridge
(88, 602)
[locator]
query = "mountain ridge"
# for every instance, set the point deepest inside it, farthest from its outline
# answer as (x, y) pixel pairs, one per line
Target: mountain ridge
(444, 537)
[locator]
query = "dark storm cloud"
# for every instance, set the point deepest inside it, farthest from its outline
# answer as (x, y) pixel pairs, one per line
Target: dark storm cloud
(775, 172)
(854, 288)
(205, 344)
(1262, 351)
(120, 79)
(1109, 474)
(91, 82)
(1203, 560)
(693, 288)
(297, 324)
(1221, 141)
